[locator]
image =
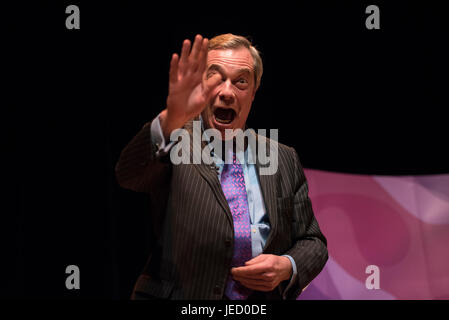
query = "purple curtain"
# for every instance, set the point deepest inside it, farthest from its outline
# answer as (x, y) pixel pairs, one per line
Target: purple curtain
(399, 224)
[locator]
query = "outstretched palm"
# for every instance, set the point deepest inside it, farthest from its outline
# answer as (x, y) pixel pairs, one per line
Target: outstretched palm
(187, 96)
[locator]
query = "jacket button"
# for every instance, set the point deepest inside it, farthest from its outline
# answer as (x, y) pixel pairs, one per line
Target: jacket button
(228, 243)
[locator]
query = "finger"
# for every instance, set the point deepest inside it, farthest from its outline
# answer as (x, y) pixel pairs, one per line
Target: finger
(253, 282)
(174, 68)
(211, 84)
(196, 49)
(202, 58)
(260, 279)
(257, 287)
(255, 260)
(250, 270)
(266, 276)
(184, 55)
(259, 276)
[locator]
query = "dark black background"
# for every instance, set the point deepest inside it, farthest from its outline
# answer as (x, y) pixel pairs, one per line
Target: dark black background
(347, 98)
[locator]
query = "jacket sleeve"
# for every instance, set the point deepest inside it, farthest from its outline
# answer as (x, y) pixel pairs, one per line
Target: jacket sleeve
(140, 166)
(309, 250)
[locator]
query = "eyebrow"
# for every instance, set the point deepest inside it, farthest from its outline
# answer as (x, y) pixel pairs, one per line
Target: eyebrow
(244, 70)
(221, 70)
(215, 67)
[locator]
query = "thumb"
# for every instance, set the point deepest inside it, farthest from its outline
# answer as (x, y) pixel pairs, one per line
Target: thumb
(255, 260)
(210, 85)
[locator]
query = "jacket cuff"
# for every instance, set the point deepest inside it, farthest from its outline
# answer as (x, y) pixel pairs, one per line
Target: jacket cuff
(157, 137)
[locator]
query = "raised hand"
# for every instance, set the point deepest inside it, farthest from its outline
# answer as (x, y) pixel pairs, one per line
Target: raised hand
(187, 94)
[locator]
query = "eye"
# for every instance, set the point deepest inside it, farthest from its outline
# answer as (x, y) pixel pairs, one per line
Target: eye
(210, 73)
(241, 83)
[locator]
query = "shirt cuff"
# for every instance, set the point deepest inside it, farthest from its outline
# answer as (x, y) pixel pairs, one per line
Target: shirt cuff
(292, 279)
(157, 137)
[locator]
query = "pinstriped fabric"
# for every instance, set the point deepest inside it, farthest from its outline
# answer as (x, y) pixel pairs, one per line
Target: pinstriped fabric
(195, 223)
(192, 256)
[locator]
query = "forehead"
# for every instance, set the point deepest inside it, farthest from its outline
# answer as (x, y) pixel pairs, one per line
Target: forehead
(231, 58)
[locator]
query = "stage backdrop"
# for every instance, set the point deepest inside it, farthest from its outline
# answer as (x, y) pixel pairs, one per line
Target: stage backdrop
(399, 224)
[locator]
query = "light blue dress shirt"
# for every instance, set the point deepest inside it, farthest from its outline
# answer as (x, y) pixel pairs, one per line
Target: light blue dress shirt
(260, 225)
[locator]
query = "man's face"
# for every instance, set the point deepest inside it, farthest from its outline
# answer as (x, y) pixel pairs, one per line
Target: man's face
(231, 99)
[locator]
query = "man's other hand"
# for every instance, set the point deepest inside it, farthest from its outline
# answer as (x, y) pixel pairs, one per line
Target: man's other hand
(264, 272)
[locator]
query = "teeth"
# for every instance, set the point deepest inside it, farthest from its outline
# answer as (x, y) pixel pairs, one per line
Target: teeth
(223, 121)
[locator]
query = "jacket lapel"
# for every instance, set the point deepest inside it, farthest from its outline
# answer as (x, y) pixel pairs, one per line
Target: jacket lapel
(209, 174)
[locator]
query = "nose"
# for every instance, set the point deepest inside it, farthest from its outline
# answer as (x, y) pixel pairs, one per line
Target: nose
(226, 94)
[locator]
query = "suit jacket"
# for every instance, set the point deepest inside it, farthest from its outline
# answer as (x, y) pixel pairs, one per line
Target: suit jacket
(193, 225)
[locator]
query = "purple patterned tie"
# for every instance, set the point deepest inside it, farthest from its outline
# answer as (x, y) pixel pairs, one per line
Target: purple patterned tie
(233, 185)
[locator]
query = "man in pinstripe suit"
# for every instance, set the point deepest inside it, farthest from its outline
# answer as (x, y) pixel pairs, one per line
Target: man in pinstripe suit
(193, 255)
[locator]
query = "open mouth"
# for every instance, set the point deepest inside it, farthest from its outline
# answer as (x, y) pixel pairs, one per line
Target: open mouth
(224, 115)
